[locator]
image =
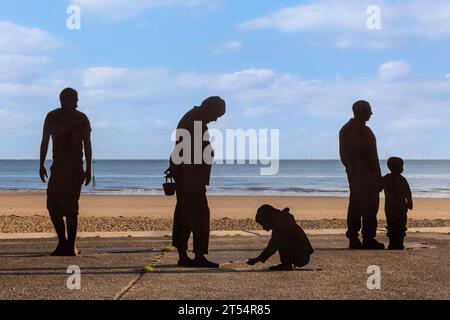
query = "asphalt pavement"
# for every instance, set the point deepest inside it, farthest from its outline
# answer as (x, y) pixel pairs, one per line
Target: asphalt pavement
(145, 268)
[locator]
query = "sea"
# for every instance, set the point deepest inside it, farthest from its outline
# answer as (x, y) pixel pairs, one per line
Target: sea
(428, 178)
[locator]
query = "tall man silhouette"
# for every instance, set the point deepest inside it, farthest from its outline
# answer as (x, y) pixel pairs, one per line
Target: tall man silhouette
(191, 172)
(358, 150)
(70, 131)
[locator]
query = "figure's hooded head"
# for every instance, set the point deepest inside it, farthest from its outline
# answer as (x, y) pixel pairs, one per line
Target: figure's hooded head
(213, 108)
(266, 215)
(69, 99)
(362, 110)
(395, 164)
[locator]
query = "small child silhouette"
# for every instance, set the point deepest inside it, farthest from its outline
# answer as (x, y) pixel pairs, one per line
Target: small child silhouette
(288, 238)
(398, 201)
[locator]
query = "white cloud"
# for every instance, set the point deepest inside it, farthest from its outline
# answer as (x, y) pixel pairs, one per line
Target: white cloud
(119, 9)
(15, 90)
(106, 83)
(227, 47)
(11, 120)
(144, 102)
(414, 123)
(323, 15)
(257, 111)
(13, 67)
(418, 100)
(19, 39)
(253, 90)
(100, 76)
(133, 123)
(231, 81)
(394, 70)
(344, 23)
(132, 4)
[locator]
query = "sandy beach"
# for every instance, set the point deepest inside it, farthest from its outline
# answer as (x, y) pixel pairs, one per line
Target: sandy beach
(26, 212)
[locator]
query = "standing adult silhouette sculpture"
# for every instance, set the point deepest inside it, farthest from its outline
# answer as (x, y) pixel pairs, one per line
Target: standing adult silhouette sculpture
(358, 151)
(192, 214)
(70, 131)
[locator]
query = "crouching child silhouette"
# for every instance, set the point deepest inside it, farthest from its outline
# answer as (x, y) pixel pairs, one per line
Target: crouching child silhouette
(288, 238)
(398, 201)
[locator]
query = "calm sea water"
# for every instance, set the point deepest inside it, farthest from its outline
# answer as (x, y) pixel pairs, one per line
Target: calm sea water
(428, 179)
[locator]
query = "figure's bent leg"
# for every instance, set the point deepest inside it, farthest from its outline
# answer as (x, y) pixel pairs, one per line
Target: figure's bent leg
(397, 228)
(180, 235)
(287, 254)
(301, 256)
(353, 216)
(401, 242)
(370, 211)
(60, 228)
(201, 228)
(56, 211)
(72, 229)
(201, 231)
(181, 231)
(354, 213)
(354, 220)
(370, 223)
(286, 257)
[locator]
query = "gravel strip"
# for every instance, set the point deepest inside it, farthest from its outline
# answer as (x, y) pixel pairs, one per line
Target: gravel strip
(37, 224)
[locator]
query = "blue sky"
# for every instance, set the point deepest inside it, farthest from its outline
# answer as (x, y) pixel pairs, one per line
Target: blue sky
(297, 66)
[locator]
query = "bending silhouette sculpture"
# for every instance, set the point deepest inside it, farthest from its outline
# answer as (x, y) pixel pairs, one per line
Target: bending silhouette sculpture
(192, 175)
(398, 199)
(288, 238)
(70, 130)
(359, 155)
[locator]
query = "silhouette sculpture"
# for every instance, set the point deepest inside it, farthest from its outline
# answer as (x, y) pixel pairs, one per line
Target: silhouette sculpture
(288, 238)
(398, 201)
(191, 177)
(358, 151)
(70, 130)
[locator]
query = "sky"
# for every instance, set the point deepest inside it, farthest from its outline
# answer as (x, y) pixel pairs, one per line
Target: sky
(296, 66)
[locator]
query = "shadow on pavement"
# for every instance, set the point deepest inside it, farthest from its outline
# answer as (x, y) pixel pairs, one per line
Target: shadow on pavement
(62, 271)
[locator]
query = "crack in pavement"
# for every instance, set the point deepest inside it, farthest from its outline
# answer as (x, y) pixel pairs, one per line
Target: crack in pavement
(132, 283)
(128, 287)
